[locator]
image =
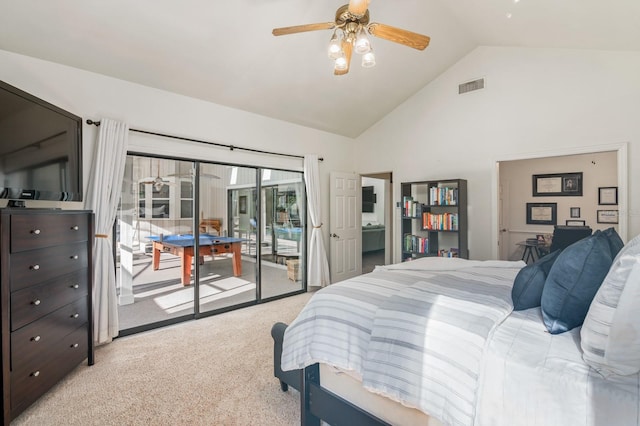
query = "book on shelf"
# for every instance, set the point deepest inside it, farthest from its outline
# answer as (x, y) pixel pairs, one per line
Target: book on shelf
(443, 196)
(440, 221)
(411, 207)
(416, 244)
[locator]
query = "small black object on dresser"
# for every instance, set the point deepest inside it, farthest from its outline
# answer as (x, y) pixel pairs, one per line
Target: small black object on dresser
(46, 302)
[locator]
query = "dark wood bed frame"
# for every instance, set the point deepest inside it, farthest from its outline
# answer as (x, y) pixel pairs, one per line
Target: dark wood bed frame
(316, 403)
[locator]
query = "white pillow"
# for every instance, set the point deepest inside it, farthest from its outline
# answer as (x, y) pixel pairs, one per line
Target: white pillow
(610, 335)
(629, 246)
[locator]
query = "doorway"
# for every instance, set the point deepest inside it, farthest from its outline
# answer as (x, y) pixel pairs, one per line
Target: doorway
(600, 167)
(376, 220)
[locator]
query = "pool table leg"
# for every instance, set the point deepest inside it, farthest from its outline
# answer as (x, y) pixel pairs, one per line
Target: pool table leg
(237, 260)
(187, 259)
(156, 257)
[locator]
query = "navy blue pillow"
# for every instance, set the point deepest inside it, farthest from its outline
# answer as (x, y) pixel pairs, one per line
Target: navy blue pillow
(527, 287)
(573, 281)
(615, 242)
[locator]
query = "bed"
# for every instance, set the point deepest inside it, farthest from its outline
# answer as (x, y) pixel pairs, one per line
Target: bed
(437, 341)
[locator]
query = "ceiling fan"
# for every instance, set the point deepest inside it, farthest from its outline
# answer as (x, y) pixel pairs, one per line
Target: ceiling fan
(157, 182)
(353, 21)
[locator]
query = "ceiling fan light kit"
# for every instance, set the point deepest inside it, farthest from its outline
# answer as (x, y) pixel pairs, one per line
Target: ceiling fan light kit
(362, 44)
(353, 22)
(335, 51)
(369, 59)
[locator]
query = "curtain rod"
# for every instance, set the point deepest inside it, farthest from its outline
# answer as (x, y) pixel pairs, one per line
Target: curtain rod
(222, 145)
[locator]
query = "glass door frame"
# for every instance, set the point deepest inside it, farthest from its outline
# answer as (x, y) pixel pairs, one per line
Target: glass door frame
(197, 313)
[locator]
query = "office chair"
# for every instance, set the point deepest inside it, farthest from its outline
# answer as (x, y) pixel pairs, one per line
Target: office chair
(564, 236)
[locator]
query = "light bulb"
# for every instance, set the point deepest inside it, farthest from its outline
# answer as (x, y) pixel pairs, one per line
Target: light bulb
(341, 63)
(369, 59)
(362, 44)
(335, 49)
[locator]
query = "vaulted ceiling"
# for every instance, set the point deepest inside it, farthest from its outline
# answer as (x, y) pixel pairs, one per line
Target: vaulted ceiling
(224, 52)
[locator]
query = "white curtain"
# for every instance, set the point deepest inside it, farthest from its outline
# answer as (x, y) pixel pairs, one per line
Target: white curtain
(103, 194)
(318, 267)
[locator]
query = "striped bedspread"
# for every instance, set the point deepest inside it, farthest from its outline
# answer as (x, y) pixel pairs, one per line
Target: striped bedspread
(415, 332)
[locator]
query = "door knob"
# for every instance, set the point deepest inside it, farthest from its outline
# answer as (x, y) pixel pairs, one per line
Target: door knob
(335, 236)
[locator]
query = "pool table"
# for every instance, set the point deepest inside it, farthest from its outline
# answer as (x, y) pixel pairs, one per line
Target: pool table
(183, 246)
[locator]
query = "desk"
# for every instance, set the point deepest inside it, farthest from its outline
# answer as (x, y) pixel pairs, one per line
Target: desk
(183, 246)
(532, 250)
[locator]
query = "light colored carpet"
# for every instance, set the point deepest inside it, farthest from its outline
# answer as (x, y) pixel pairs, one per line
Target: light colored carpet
(213, 371)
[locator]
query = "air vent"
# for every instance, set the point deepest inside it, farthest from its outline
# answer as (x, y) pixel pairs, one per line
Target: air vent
(470, 86)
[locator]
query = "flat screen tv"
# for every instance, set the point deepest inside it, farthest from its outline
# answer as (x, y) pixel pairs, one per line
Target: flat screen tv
(40, 149)
(368, 199)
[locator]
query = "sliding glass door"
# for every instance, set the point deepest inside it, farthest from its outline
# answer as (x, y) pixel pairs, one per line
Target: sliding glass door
(222, 235)
(227, 277)
(154, 274)
(283, 217)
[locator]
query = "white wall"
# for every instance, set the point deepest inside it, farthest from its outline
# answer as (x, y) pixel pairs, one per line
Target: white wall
(94, 96)
(535, 101)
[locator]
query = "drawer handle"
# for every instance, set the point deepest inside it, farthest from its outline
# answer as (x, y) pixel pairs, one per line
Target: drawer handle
(75, 345)
(35, 339)
(74, 257)
(36, 302)
(35, 231)
(76, 315)
(75, 228)
(74, 286)
(34, 267)
(35, 374)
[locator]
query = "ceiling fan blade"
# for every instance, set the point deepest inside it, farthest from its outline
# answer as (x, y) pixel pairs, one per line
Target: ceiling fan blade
(358, 7)
(398, 35)
(347, 48)
(302, 28)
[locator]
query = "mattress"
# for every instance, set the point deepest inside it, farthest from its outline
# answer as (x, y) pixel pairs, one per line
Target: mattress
(349, 388)
(533, 378)
(384, 327)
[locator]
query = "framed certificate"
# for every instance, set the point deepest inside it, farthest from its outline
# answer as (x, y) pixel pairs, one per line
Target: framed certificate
(607, 216)
(542, 213)
(557, 184)
(608, 195)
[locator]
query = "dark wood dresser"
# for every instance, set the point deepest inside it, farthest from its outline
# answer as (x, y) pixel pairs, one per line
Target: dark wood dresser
(46, 301)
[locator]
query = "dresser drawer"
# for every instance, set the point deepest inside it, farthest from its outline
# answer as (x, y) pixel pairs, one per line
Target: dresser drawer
(33, 379)
(38, 338)
(35, 266)
(36, 301)
(44, 230)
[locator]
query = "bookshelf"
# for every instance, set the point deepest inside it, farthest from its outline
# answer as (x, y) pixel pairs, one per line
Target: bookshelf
(434, 219)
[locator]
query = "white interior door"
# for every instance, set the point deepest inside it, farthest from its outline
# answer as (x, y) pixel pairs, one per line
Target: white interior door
(504, 240)
(345, 228)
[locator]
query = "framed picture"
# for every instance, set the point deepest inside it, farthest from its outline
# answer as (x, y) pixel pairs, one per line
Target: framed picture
(607, 216)
(242, 204)
(574, 222)
(608, 195)
(542, 213)
(558, 184)
(575, 211)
